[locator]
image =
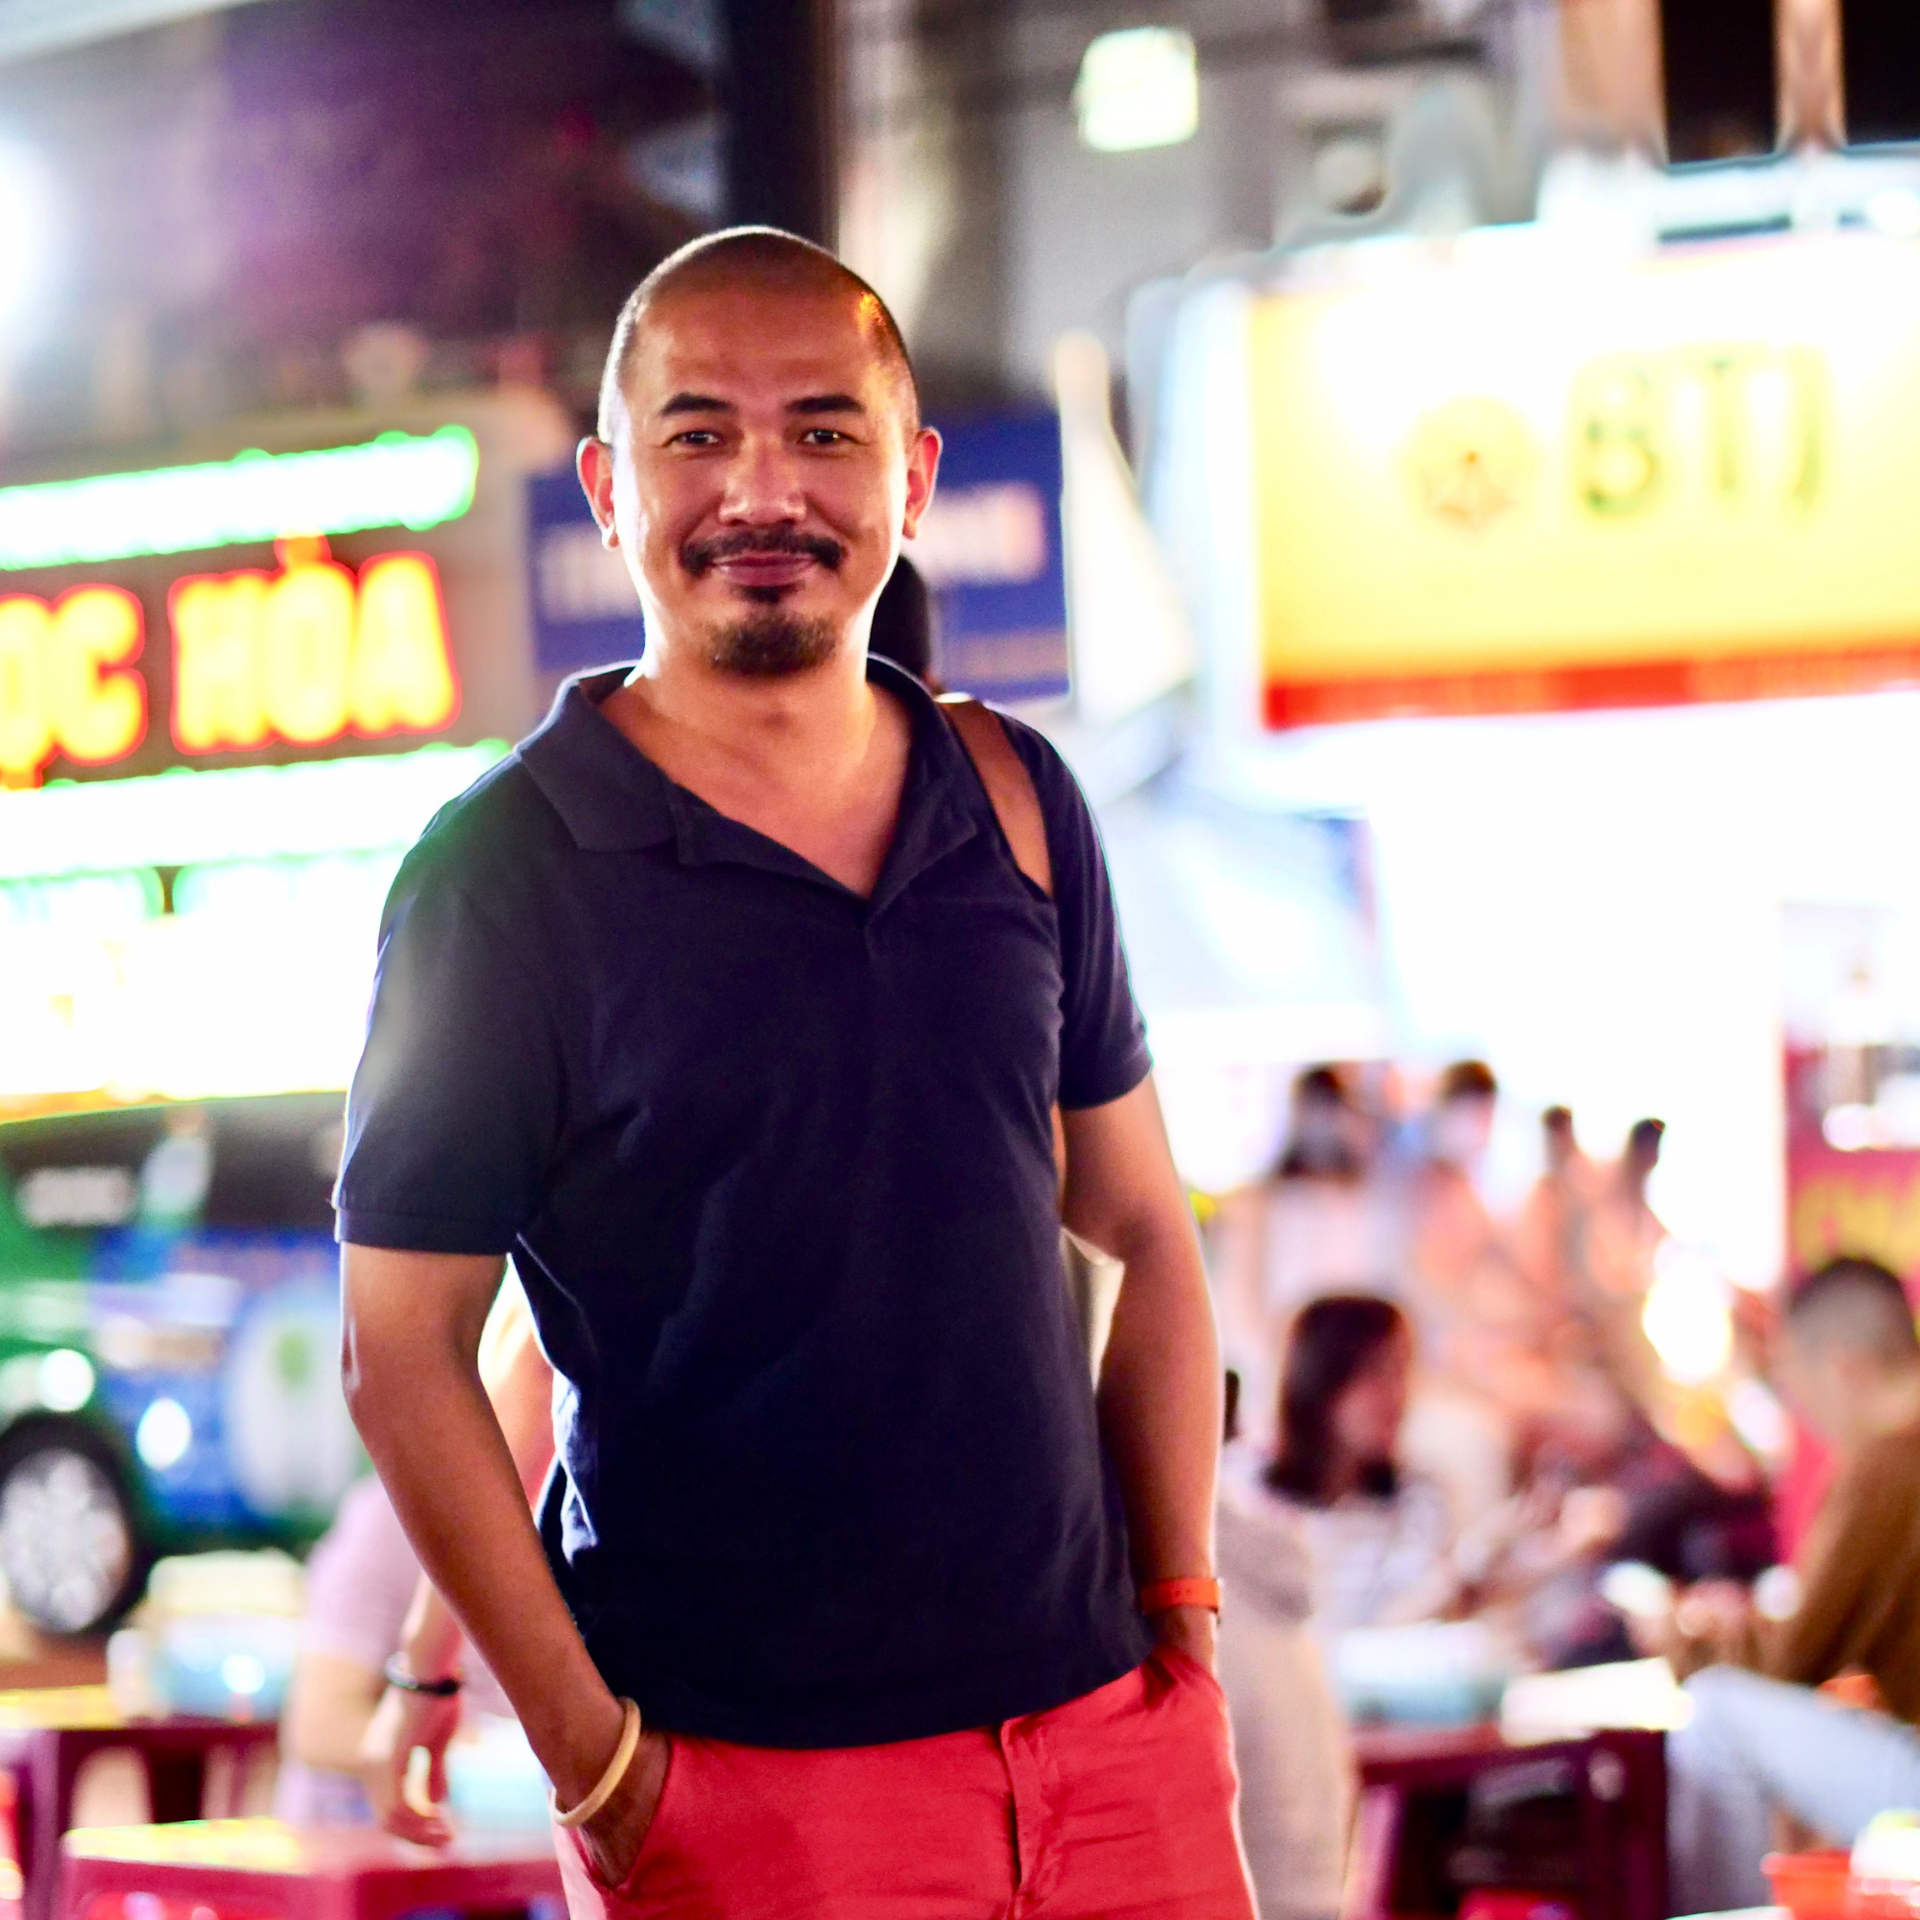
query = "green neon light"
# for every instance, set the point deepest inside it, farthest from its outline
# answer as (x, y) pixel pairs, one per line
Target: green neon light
(397, 480)
(183, 818)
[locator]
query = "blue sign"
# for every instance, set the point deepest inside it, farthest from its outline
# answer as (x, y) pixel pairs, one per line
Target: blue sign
(990, 548)
(584, 610)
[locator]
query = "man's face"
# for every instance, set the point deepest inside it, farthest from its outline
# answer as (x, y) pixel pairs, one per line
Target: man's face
(763, 476)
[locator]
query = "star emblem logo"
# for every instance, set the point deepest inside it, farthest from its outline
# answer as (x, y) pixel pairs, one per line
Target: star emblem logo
(1472, 460)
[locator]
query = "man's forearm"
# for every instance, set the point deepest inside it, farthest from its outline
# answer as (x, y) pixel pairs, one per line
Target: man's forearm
(1160, 1386)
(416, 1396)
(1160, 1404)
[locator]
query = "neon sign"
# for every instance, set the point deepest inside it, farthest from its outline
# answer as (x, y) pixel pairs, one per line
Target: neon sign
(309, 654)
(407, 480)
(192, 815)
(63, 688)
(247, 973)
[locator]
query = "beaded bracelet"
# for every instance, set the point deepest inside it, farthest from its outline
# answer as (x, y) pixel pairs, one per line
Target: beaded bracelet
(1194, 1591)
(397, 1675)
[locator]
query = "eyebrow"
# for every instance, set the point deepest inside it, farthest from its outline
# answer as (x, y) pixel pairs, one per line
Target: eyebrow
(812, 403)
(695, 403)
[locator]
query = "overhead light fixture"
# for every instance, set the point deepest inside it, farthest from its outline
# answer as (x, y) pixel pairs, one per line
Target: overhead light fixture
(395, 480)
(1138, 88)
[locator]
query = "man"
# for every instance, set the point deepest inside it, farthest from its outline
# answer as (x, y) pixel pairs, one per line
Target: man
(1800, 1740)
(725, 1006)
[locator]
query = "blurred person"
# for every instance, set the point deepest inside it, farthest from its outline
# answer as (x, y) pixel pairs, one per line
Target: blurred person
(1485, 1339)
(1603, 1486)
(1827, 1733)
(1624, 1238)
(1587, 1240)
(1551, 1233)
(1378, 1537)
(1290, 1738)
(344, 1737)
(906, 624)
(361, 1584)
(1319, 1222)
(728, 1005)
(1625, 1233)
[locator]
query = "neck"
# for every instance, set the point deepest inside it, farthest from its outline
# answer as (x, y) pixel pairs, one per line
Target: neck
(799, 725)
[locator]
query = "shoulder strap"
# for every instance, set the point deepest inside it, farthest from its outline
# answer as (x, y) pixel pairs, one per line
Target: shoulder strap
(1016, 805)
(1010, 789)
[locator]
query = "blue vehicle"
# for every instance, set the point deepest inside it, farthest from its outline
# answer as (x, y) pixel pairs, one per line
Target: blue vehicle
(169, 1337)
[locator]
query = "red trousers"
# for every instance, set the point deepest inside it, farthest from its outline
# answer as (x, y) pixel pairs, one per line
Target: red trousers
(1115, 1806)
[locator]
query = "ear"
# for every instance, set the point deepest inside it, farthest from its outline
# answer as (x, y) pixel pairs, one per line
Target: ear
(923, 463)
(594, 463)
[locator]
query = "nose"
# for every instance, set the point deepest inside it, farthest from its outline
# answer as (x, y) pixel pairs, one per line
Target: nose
(762, 485)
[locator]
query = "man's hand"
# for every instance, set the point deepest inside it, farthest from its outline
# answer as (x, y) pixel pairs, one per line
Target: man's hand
(1193, 1630)
(401, 1723)
(614, 1836)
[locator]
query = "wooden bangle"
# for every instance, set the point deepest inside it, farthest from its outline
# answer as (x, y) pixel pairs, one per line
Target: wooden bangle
(615, 1773)
(1158, 1596)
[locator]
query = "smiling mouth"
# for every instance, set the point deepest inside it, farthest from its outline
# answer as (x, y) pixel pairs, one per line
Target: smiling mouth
(765, 572)
(763, 564)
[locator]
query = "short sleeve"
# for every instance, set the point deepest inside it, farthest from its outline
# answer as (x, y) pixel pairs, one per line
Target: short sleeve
(1849, 1589)
(455, 1107)
(1103, 1046)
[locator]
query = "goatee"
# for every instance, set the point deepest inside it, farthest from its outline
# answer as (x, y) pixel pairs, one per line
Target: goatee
(771, 646)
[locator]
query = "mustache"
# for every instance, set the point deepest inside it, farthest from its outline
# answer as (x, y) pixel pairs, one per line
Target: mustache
(701, 556)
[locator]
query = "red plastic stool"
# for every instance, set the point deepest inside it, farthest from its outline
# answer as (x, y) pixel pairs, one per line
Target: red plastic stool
(267, 1870)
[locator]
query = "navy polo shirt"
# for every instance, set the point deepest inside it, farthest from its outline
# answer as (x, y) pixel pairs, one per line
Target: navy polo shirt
(775, 1164)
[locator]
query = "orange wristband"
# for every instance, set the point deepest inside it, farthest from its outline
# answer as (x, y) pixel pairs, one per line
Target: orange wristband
(1160, 1595)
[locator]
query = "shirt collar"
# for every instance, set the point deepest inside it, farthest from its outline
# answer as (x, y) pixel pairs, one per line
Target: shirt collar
(613, 799)
(609, 795)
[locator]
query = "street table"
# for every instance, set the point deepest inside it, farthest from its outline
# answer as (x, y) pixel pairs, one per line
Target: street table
(48, 1733)
(268, 1870)
(1416, 1787)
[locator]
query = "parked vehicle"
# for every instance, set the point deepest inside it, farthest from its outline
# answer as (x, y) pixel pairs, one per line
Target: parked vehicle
(169, 1332)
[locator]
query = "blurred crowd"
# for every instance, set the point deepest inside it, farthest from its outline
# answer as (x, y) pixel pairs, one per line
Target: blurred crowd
(1442, 1415)
(1399, 1350)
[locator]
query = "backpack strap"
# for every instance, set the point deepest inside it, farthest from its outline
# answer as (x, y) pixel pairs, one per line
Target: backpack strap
(1010, 789)
(1016, 805)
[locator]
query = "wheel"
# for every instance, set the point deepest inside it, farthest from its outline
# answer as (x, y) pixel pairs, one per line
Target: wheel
(68, 1546)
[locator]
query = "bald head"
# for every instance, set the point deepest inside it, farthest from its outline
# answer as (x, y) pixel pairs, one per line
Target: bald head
(1856, 1306)
(754, 258)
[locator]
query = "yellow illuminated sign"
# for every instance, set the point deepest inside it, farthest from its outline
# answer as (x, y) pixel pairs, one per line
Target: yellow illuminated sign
(312, 653)
(309, 653)
(64, 687)
(1519, 476)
